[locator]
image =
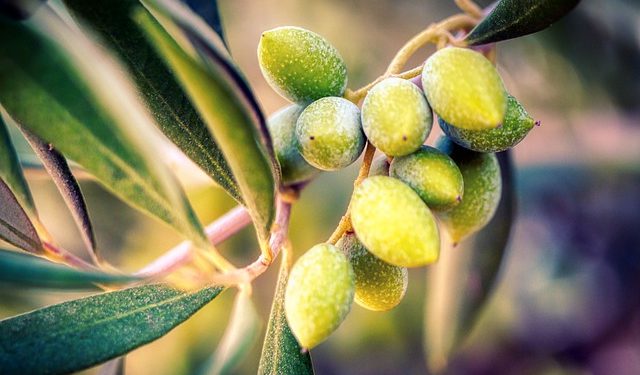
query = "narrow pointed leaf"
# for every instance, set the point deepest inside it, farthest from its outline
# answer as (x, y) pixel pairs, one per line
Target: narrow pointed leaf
(208, 10)
(281, 353)
(15, 226)
(166, 100)
(19, 9)
(515, 18)
(11, 171)
(57, 167)
(78, 334)
(214, 56)
(216, 94)
(23, 270)
(459, 285)
(71, 94)
(240, 336)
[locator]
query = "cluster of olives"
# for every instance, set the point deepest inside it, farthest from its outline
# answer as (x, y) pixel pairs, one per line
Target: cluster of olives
(411, 190)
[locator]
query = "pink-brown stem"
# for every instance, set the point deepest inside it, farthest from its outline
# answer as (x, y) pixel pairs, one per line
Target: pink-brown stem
(217, 232)
(59, 254)
(279, 238)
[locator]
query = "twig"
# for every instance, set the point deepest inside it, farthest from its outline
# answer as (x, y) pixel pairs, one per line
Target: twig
(217, 232)
(280, 230)
(432, 34)
(345, 222)
(279, 239)
(357, 95)
(59, 254)
(470, 8)
(429, 35)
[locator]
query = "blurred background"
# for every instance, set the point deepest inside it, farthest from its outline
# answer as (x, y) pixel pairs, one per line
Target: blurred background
(567, 298)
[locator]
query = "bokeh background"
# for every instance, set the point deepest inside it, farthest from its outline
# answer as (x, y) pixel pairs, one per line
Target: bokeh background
(567, 300)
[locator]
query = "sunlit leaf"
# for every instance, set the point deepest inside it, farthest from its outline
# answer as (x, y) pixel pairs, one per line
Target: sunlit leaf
(239, 337)
(281, 353)
(57, 167)
(166, 100)
(78, 334)
(218, 95)
(25, 270)
(459, 285)
(514, 18)
(11, 172)
(72, 95)
(15, 226)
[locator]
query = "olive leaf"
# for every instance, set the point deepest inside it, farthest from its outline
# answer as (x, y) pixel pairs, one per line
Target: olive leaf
(15, 226)
(78, 334)
(24, 270)
(167, 102)
(208, 10)
(515, 18)
(57, 167)
(459, 285)
(89, 111)
(19, 9)
(229, 108)
(281, 353)
(239, 337)
(11, 171)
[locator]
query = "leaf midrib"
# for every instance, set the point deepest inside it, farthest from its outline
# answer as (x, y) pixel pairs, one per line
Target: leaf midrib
(95, 323)
(19, 234)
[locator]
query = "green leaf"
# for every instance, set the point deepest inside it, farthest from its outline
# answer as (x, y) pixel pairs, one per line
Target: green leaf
(25, 270)
(11, 171)
(239, 337)
(281, 353)
(72, 95)
(78, 334)
(57, 167)
(460, 283)
(15, 226)
(208, 10)
(166, 100)
(223, 102)
(515, 18)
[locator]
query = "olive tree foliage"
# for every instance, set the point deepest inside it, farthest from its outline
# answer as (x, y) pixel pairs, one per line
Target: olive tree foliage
(96, 93)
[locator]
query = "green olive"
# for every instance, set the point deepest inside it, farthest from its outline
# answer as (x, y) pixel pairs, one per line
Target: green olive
(329, 134)
(301, 65)
(517, 124)
(482, 189)
(396, 117)
(433, 175)
(379, 286)
(319, 294)
(393, 223)
(282, 126)
(464, 89)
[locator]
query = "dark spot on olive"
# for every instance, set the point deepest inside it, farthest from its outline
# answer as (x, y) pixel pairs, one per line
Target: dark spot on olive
(404, 137)
(312, 138)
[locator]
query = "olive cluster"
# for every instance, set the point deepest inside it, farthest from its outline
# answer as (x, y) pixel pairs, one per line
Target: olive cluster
(411, 191)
